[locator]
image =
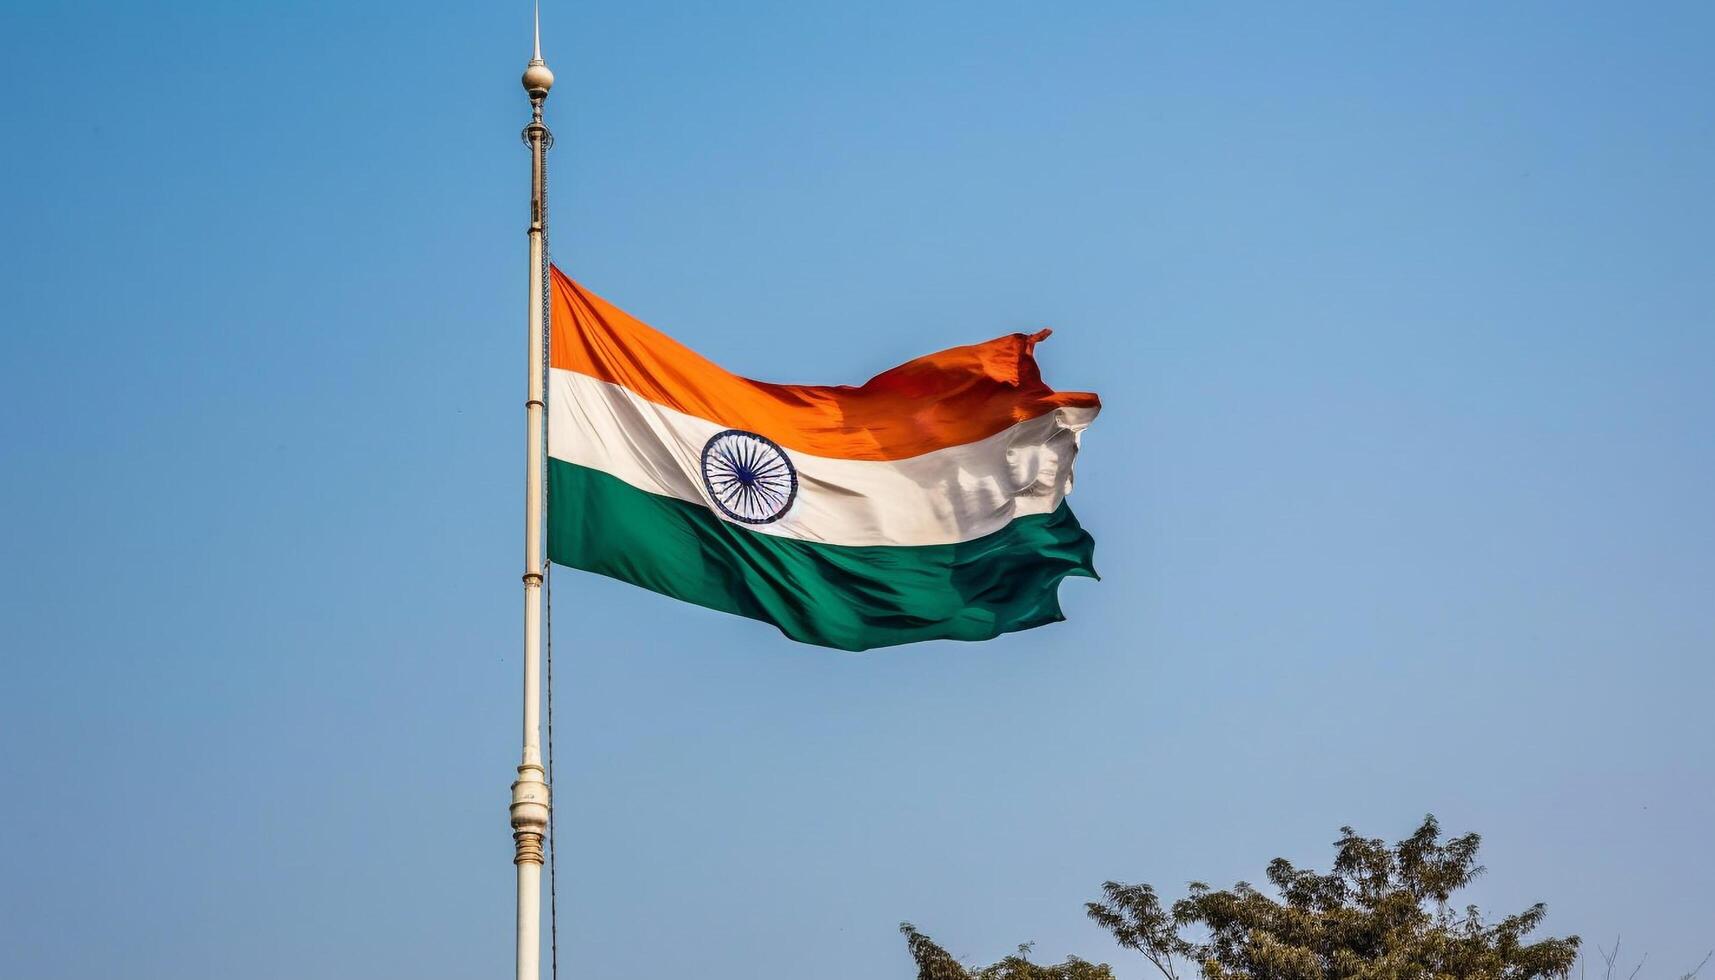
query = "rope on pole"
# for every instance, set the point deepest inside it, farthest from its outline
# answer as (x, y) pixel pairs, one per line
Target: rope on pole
(548, 595)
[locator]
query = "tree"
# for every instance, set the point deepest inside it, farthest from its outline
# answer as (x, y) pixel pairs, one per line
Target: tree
(1611, 960)
(935, 963)
(1382, 913)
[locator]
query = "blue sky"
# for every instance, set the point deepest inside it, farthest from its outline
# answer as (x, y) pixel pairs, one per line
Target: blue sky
(1403, 323)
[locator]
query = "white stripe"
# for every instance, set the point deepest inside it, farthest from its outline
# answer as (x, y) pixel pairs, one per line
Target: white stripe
(941, 497)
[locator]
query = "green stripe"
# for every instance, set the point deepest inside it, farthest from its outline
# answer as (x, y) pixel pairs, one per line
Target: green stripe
(840, 596)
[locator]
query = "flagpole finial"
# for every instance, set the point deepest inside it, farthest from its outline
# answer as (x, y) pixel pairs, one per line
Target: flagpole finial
(537, 78)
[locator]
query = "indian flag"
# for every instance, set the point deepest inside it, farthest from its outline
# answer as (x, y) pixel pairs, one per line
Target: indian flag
(927, 503)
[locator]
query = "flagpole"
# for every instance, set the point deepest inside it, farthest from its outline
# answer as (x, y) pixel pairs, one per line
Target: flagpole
(530, 792)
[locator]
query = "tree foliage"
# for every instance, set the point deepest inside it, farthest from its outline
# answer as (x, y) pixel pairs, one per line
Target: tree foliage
(935, 963)
(1383, 913)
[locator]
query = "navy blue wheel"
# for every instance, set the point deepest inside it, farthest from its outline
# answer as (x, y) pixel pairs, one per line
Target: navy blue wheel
(748, 477)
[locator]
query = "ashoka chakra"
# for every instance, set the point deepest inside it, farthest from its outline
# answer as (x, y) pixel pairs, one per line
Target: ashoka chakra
(748, 477)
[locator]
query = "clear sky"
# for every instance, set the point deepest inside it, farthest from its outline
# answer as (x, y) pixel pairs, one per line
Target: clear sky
(1404, 321)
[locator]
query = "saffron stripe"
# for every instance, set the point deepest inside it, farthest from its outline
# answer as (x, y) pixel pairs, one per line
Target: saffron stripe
(946, 399)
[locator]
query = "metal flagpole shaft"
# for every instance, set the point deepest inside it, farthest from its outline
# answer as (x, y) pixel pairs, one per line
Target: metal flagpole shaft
(530, 800)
